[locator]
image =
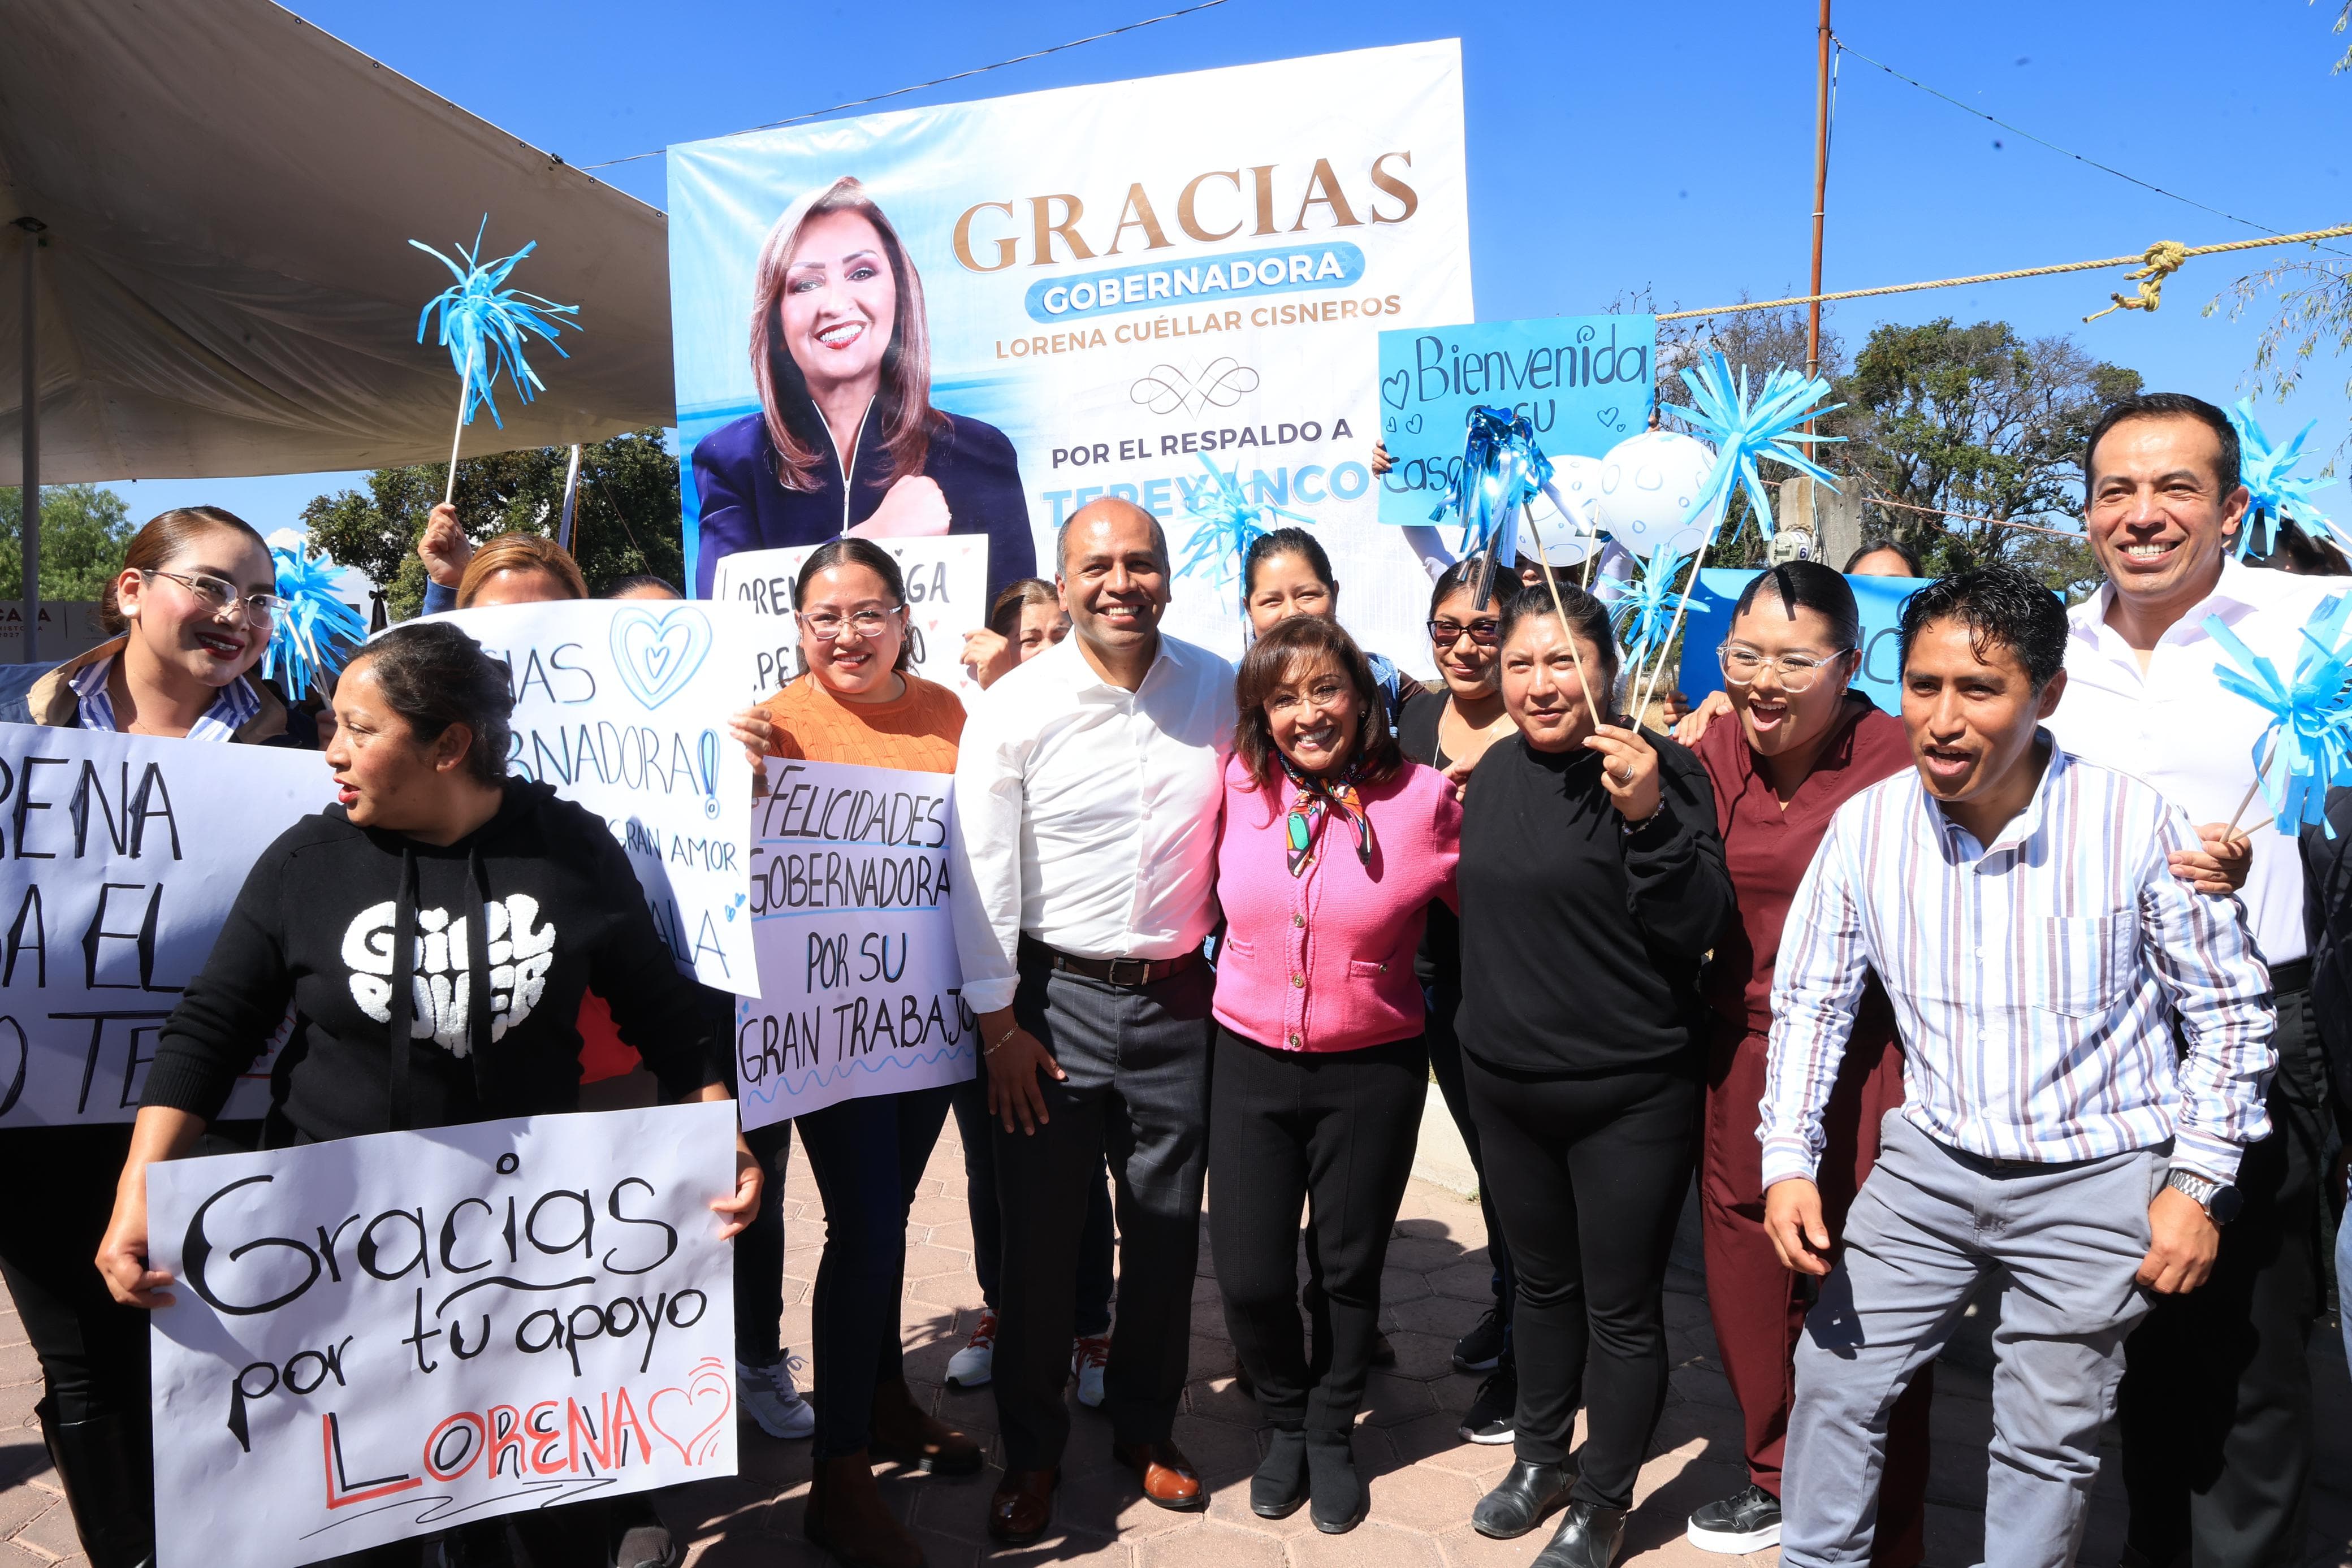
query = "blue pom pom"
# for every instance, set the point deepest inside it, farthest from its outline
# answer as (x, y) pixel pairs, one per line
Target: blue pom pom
(314, 634)
(485, 325)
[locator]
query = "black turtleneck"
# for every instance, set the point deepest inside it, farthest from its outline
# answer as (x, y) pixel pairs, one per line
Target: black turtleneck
(1581, 941)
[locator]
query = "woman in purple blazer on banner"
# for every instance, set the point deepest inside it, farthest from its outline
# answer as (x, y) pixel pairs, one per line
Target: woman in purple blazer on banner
(846, 441)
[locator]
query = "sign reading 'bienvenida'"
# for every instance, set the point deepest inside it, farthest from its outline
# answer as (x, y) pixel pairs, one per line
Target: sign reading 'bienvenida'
(379, 1338)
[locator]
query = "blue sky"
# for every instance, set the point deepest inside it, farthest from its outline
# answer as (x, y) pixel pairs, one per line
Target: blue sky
(1609, 147)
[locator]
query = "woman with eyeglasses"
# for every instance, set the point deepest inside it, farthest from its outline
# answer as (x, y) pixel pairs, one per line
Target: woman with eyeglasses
(1450, 730)
(1802, 746)
(1331, 848)
(191, 614)
(857, 702)
(1592, 888)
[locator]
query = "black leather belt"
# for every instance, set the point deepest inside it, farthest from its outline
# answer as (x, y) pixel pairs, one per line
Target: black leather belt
(2295, 975)
(1124, 972)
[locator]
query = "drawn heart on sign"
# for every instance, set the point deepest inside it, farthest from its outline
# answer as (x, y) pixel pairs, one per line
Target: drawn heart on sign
(1608, 418)
(658, 654)
(1413, 425)
(709, 1382)
(1393, 389)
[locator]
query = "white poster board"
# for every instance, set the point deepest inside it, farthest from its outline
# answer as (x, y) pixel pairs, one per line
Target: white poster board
(947, 596)
(860, 992)
(623, 706)
(380, 1337)
(120, 856)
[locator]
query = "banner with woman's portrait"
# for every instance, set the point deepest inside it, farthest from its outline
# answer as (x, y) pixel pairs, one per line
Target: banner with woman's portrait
(975, 318)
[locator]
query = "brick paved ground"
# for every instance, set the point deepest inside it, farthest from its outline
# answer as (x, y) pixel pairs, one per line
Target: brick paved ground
(1423, 1478)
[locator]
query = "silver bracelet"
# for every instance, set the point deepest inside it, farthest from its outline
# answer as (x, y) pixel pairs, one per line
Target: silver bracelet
(1008, 1034)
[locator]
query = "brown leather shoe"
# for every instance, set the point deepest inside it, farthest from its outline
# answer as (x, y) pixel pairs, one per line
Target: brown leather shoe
(1023, 1507)
(905, 1432)
(1163, 1472)
(847, 1517)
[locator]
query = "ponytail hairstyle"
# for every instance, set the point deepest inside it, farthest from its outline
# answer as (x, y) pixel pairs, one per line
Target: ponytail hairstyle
(166, 536)
(1810, 585)
(1588, 622)
(434, 676)
(1281, 542)
(522, 552)
(851, 550)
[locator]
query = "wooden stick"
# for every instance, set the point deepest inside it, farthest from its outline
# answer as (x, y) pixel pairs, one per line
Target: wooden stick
(2251, 788)
(1690, 584)
(464, 382)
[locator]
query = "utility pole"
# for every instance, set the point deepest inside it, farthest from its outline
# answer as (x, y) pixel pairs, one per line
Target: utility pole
(1821, 185)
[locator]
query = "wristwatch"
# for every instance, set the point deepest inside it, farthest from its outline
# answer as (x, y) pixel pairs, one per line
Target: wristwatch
(2219, 1200)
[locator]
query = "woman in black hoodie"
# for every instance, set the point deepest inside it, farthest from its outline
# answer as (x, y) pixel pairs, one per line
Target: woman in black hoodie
(500, 901)
(1592, 887)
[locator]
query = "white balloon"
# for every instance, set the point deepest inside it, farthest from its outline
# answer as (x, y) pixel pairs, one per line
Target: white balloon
(1646, 487)
(1566, 540)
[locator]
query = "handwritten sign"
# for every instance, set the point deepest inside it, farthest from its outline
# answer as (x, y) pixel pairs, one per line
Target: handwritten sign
(859, 988)
(1583, 382)
(1879, 677)
(377, 1338)
(623, 707)
(121, 855)
(947, 596)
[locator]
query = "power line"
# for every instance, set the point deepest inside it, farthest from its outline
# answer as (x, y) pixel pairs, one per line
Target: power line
(938, 81)
(2042, 142)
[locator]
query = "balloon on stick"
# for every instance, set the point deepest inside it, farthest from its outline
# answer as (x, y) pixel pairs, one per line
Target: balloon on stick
(313, 632)
(2274, 494)
(1745, 429)
(485, 326)
(2306, 747)
(1230, 523)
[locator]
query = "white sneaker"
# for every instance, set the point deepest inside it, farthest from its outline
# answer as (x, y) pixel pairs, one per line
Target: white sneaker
(974, 1367)
(1088, 1357)
(771, 1400)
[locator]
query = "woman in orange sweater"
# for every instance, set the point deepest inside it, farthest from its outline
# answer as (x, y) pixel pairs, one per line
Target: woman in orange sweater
(857, 702)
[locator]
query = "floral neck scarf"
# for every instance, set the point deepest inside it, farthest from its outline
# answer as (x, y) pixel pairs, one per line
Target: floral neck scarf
(1313, 801)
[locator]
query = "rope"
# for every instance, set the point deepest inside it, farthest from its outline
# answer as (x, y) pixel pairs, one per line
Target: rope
(2163, 258)
(1968, 517)
(940, 81)
(2148, 258)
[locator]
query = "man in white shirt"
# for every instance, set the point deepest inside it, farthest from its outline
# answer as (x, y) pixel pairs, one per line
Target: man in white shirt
(1087, 790)
(2216, 1405)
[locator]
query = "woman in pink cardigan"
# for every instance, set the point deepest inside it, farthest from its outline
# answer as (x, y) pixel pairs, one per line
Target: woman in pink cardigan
(1332, 847)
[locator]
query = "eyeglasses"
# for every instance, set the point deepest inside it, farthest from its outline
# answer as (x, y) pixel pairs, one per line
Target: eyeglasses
(217, 596)
(828, 628)
(1485, 632)
(1741, 665)
(1321, 695)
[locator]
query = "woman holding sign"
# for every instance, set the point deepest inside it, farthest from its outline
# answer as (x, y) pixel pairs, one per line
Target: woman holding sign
(1332, 847)
(344, 901)
(191, 613)
(857, 702)
(846, 441)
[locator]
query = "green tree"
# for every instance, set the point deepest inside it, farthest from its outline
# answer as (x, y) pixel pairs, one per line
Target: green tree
(626, 521)
(1975, 422)
(84, 531)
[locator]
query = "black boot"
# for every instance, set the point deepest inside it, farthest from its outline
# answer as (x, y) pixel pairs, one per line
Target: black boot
(1337, 1492)
(1280, 1484)
(1587, 1537)
(1520, 1499)
(108, 1478)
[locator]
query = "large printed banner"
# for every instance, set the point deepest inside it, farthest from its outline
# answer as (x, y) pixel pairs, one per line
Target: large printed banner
(947, 596)
(1139, 285)
(1583, 382)
(623, 707)
(859, 988)
(382, 1337)
(122, 856)
(1880, 598)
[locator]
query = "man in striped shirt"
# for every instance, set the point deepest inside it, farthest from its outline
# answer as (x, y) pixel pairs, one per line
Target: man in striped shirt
(2021, 909)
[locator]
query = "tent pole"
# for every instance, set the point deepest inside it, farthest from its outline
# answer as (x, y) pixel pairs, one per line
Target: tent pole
(570, 499)
(29, 514)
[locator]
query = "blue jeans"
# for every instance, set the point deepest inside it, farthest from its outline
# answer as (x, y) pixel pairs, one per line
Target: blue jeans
(867, 1155)
(1096, 1243)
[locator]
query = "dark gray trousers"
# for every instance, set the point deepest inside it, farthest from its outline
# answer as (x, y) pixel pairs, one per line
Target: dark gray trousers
(1136, 1092)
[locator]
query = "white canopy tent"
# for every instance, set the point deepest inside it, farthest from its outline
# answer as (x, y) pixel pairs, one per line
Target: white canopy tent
(206, 204)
